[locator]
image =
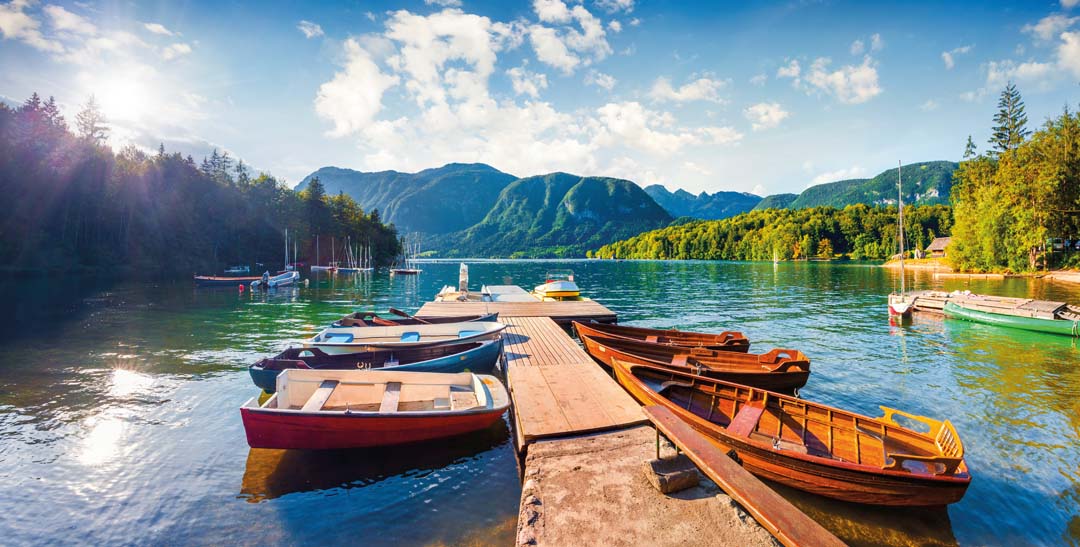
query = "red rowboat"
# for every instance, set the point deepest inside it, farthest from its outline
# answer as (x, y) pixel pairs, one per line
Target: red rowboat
(335, 409)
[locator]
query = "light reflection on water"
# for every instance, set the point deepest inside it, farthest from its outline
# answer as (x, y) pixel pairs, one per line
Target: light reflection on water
(119, 422)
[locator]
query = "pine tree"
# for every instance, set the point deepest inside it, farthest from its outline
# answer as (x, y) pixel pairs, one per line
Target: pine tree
(91, 122)
(969, 149)
(52, 114)
(161, 150)
(33, 104)
(1010, 123)
(242, 176)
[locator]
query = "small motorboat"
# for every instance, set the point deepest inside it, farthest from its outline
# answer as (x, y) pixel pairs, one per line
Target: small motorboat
(778, 370)
(336, 340)
(340, 409)
(282, 279)
(478, 357)
(373, 319)
(725, 341)
(558, 285)
(810, 446)
(224, 281)
(1031, 315)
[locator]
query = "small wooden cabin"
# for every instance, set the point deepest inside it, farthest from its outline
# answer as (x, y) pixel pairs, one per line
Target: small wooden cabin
(937, 247)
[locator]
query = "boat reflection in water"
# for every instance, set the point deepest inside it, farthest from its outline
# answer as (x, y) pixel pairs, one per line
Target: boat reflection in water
(274, 473)
(861, 525)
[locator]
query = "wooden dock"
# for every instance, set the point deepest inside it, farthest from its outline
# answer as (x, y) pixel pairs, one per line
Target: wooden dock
(560, 312)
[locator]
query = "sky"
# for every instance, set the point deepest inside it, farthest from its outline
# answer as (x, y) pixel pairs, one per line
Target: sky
(762, 97)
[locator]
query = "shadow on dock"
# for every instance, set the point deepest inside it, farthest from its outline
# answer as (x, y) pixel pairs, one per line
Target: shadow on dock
(274, 473)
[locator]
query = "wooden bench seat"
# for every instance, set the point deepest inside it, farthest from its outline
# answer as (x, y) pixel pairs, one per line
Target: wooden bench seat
(745, 422)
(319, 397)
(391, 397)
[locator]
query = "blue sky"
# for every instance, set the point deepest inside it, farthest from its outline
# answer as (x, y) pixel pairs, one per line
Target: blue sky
(757, 97)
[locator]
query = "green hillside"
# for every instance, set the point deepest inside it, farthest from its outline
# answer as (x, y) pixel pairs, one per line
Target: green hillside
(719, 205)
(441, 200)
(925, 183)
(776, 201)
(557, 215)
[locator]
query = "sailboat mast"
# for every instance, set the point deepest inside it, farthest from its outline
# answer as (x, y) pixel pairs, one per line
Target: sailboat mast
(316, 248)
(900, 203)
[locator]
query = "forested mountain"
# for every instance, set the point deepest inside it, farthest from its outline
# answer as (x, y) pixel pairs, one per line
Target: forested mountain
(435, 201)
(558, 215)
(925, 183)
(77, 205)
(681, 203)
(857, 231)
(776, 201)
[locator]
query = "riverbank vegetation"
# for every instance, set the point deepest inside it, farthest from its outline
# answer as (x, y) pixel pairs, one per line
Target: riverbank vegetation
(860, 232)
(77, 205)
(1009, 201)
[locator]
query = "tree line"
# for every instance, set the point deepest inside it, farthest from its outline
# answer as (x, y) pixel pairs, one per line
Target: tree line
(78, 205)
(1024, 190)
(860, 232)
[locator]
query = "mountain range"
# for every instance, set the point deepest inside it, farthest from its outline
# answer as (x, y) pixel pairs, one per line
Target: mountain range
(473, 209)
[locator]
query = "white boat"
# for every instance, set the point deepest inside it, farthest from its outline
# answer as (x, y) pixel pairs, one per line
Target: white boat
(338, 340)
(900, 303)
(273, 281)
(558, 285)
(237, 270)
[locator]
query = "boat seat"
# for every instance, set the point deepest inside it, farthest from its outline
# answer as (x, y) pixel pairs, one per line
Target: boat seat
(746, 420)
(319, 397)
(651, 339)
(411, 336)
(462, 400)
(679, 360)
(338, 337)
(390, 397)
(468, 333)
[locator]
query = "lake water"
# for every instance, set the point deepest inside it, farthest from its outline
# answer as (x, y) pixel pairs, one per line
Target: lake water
(119, 419)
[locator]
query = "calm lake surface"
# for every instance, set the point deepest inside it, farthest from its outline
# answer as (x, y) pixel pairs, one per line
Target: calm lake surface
(119, 419)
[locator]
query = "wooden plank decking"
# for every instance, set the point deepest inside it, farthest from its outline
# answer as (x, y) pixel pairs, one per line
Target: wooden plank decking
(560, 312)
(557, 389)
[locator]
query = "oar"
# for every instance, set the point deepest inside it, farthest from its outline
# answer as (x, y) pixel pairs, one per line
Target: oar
(400, 313)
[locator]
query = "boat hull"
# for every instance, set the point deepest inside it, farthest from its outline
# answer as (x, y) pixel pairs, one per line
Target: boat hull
(318, 431)
(838, 480)
(1034, 324)
(786, 381)
(223, 281)
(359, 320)
(480, 360)
(726, 341)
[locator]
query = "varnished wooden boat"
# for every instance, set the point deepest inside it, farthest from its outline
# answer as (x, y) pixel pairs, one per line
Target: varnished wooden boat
(725, 341)
(336, 409)
(778, 370)
(809, 446)
(224, 280)
(477, 357)
(372, 319)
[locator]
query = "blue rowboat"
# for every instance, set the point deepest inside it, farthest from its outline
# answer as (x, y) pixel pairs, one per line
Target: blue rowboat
(477, 357)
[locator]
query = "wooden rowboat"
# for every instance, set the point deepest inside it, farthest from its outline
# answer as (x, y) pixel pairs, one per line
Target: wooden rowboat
(809, 446)
(336, 340)
(336, 409)
(478, 357)
(779, 370)
(726, 341)
(1050, 317)
(223, 281)
(372, 319)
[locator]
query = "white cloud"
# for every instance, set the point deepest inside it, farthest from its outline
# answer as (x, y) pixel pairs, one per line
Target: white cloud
(929, 105)
(1068, 52)
(759, 190)
(949, 57)
(158, 28)
(370, 15)
(759, 79)
(600, 79)
(615, 26)
(444, 3)
(1032, 73)
(527, 83)
(857, 47)
(876, 43)
(702, 89)
(631, 124)
(1050, 27)
(852, 172)
(310, 30)
(353, 98)
(1069, 3)
(850, 84)
(721, 135)
(565, 47)
(64, 20)
(17, 25)
(612, 6)
(765, 115)
(635, 22)
(792, 70)
(175, 51)
(691, 166)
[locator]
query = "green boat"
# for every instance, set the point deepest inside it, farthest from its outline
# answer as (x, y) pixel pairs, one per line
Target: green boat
(1064, 319)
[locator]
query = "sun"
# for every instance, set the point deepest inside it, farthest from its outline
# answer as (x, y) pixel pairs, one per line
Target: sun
(123, 95)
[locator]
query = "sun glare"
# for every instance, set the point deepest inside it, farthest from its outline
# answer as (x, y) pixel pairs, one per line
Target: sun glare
(123, 95)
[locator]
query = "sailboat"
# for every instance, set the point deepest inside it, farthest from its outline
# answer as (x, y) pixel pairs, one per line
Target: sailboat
(409, 268)
(318, 267)
(900, 303)
(288, 276)
(365, 259)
